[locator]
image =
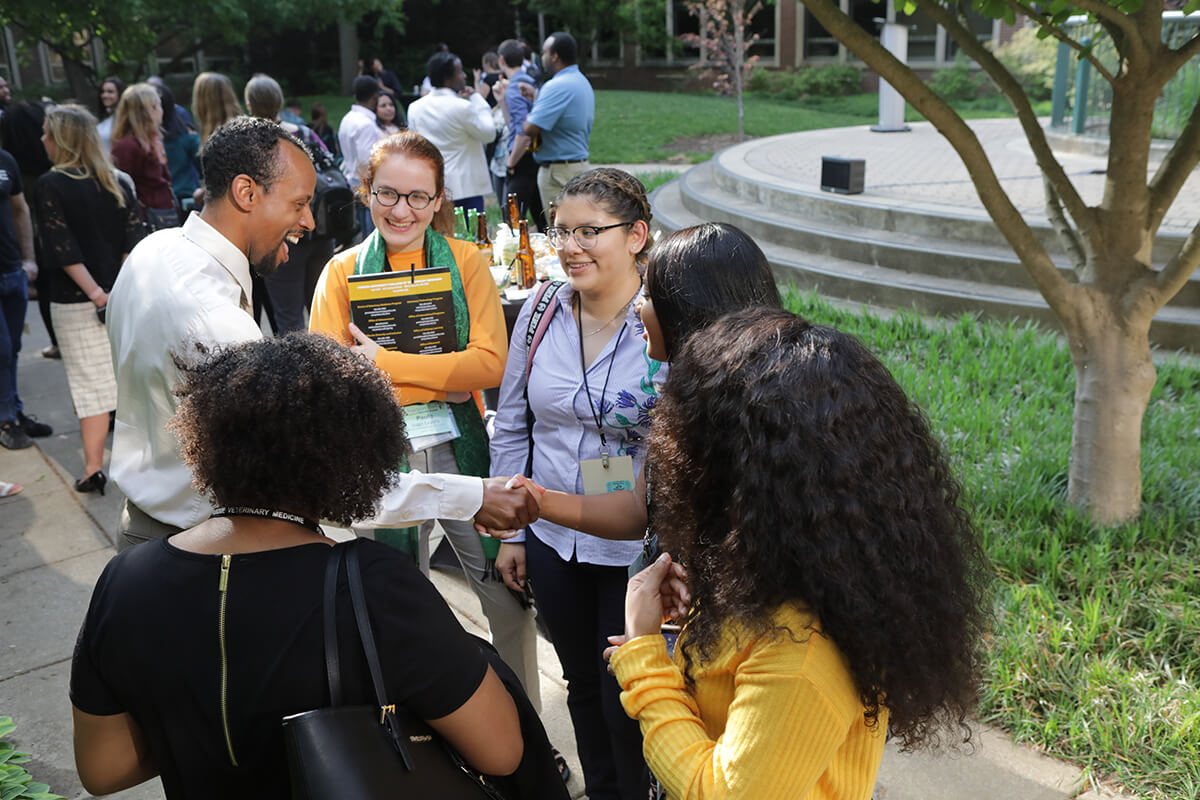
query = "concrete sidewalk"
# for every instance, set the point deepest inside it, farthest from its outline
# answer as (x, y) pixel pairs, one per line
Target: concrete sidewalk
(54, 542)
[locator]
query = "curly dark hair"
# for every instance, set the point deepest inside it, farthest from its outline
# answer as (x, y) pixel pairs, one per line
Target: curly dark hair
(696, 274)
(298, 424)
(823, 488)
(244, 146)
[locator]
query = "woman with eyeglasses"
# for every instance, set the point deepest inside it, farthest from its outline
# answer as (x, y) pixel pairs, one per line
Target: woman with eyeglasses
(590, 390)
(403, 186)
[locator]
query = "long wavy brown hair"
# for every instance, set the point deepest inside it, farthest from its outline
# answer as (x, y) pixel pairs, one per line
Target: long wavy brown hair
(790, 468)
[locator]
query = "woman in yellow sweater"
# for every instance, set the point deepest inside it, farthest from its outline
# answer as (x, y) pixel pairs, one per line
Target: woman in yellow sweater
(403, 186)
(833, 582)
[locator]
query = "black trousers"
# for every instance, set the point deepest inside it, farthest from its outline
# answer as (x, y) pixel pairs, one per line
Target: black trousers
(582, 605)
(523, 182)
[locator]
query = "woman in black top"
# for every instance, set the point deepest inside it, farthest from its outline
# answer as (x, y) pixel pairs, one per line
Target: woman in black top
(195, 647)
(88, 222)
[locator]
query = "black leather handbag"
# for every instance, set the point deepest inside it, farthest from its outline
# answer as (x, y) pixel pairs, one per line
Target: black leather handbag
(369, 752)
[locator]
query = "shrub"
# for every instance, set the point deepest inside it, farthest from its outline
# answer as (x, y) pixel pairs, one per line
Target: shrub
(1031, 60)
(15, 782)
(959, 82)
(792, 84)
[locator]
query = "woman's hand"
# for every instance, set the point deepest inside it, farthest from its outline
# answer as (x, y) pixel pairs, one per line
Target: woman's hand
(365, 347)
(510, 561)
(657, 593)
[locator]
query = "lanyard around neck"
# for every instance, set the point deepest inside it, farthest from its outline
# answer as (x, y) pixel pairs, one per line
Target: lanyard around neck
(596, 416)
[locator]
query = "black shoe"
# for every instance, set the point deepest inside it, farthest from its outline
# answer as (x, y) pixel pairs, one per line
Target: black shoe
(32, 427)
(51, 352)
(13, 438)
(92, 483)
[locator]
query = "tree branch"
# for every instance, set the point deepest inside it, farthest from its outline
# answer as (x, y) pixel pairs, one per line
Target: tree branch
(1084, 217)
(1045, 24)
(1110, 14)
(1057, 291)
(1181, 266)
(1185, 53)
(1067, 234)
(1174, 171)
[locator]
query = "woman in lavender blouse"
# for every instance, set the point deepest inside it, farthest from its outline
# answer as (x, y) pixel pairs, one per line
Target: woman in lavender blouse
(591, 388)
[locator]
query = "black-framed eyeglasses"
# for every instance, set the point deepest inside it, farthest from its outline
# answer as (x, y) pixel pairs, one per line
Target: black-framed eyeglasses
(585, 235)
(417, 200)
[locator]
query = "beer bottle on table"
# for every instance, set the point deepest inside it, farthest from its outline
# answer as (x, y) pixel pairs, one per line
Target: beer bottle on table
(482, 240)
(514, 212)
(526, 276)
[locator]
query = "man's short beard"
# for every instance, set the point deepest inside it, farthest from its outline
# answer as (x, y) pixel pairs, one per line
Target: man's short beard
(267, 267)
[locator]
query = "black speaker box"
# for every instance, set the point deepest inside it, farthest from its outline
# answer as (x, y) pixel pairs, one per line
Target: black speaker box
(842, 175)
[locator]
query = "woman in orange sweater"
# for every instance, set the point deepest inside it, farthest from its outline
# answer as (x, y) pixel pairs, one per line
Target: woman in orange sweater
(830, 583)
(404, 188)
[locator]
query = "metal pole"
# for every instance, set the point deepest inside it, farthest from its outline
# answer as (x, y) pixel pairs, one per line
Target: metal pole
(1058, 101)
(1083, 78)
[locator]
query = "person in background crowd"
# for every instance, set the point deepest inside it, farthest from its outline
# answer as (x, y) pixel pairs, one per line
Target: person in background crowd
(426, 86)
(138, 150)
(404, 188)
(832, 586)
(16, 263)
(489, 75)
(184, 115)
(531, 67)
(457, 120)
(357, 134)
(591, 389)
(21, 136)
(5, 97)
(521, 169)
(293, 112)
(386, 78)
(182, 146)
(88, 222)
(561, 116)
(388, 115)
(291, 286)
(321, 127)
(111, 89)
(213, 102)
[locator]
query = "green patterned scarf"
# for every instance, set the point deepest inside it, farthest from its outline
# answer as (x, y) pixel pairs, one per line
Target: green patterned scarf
(471, 447)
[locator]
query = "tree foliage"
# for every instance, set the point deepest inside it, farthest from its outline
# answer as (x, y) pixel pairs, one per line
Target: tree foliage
(724, 43)
(130, 31)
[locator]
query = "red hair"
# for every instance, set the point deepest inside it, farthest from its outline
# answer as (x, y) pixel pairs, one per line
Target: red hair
(409, 145)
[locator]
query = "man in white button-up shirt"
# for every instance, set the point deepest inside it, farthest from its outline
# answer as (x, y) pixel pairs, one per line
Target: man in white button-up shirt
(459, 126)
(190, 286)
(357, 134)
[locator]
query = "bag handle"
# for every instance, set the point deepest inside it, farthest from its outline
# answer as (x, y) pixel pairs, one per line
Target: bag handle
(333, 670)
(387, 711)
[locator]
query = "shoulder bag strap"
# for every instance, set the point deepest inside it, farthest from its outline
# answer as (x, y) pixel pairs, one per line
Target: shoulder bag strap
(387, 712)
(333, 670)
(539, 320)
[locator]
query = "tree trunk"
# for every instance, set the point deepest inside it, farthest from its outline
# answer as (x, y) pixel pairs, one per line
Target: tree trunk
(1114, 376)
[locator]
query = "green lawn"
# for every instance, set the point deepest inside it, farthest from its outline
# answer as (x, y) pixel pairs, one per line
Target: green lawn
(1095, 652)
(637, 127)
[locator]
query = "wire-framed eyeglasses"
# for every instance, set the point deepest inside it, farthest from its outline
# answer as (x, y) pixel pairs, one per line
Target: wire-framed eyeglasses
(585, 235)
(416, 200)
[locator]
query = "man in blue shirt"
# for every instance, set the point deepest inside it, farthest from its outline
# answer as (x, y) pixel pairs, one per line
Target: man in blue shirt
(562, 115)
(521, 179)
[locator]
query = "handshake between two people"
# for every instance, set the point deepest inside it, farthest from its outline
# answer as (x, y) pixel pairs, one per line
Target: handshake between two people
(509, 504)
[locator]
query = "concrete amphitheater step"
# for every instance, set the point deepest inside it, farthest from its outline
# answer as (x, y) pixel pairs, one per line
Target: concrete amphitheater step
(950, 254)
(734, 174)
(1173, 327)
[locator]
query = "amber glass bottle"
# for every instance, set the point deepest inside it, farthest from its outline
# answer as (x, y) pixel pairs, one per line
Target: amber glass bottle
(526, 275)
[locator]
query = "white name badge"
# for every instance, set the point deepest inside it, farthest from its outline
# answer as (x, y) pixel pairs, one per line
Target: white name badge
(604, 475)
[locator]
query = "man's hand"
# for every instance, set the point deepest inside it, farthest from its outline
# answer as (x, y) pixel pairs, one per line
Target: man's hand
(506, 505)
(510, 562)
(365, 347)
(31, 270)
(527, 91)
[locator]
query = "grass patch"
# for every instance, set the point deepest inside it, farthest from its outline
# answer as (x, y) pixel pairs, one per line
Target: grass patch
(1094, 655)
(638, 127)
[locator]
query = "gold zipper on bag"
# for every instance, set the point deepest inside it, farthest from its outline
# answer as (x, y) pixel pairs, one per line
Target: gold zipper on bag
(224, 583)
